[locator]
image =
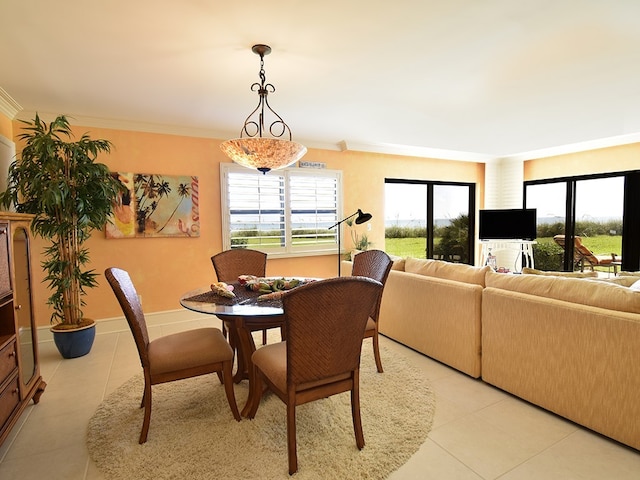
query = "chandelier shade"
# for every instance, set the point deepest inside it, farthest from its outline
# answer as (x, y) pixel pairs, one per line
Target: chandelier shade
(253, 150)
(263, 154)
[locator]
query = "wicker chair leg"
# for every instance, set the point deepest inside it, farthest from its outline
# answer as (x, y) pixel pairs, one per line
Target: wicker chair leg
(291, 437)
(376, 353)
(355, 411)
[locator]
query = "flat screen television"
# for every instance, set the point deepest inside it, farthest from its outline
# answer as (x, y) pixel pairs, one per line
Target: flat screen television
(508, 224)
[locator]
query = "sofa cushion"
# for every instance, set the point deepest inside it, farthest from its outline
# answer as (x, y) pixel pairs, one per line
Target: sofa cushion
(623, 281)
(398, 263)
(629, 274)
(533, 271)
(459, 272)
(574, 290)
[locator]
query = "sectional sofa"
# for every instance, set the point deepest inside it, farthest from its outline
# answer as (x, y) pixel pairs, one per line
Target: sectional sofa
(569, 345)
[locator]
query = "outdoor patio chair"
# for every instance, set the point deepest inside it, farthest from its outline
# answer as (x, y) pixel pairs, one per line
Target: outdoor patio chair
(582, 255)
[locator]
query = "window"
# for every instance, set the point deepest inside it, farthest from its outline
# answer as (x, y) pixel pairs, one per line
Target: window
(600, 209)
(428, 219)
(285, 212)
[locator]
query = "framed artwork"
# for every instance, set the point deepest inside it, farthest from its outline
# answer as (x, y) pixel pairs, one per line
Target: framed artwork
(155, 206)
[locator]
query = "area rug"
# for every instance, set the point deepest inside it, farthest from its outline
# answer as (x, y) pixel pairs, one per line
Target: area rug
(194, 436)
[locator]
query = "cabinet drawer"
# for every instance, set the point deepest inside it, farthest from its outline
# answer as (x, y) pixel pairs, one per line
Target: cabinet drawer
(8, 361)
(9, 400)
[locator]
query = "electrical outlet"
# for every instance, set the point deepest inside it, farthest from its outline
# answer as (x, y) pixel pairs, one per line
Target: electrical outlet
(368, 227)
(140, 299)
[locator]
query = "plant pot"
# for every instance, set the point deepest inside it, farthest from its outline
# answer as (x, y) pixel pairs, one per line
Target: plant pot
(73, 343)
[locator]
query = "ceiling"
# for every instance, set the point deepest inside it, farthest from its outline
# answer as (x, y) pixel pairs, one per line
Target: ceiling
(492, 77)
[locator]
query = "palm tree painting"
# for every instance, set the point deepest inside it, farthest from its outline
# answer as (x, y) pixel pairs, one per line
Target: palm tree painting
(156, 206)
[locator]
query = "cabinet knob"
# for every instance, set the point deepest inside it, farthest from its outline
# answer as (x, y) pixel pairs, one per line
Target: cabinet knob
(18, 307)
(12, 354)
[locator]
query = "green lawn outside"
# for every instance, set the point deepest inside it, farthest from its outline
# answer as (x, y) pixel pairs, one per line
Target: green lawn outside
(406, 247)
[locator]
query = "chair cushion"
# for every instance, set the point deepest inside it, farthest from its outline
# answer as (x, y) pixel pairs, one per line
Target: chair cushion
(188, 349)
(371, 325)
(271, 360)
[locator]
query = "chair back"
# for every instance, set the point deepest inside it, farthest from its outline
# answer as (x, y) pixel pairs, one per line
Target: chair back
(230, 264)
(374, 264)
(580, 251)
(130, 303)
(325, 323)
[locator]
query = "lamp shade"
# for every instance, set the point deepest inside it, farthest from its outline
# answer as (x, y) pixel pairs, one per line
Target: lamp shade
(362, 217)
(262, 153)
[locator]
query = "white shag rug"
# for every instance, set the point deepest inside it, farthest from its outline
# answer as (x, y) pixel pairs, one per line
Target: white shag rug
(194, 436)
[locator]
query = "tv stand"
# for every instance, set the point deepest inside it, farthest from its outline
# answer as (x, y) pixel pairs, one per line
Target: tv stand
(523, 247)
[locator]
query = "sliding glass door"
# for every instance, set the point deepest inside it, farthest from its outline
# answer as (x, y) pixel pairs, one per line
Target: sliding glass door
(581, 221)
(426, 219)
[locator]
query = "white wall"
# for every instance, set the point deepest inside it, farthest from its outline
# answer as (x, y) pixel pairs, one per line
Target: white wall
(7, 154)
(503, 189)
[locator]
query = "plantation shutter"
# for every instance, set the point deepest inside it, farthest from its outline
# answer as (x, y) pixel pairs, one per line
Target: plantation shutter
(286, 212)
(314, 208)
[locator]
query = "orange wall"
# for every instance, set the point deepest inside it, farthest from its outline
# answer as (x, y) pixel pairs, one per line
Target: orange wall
(6, 127)
(164, 268)
(613, 159)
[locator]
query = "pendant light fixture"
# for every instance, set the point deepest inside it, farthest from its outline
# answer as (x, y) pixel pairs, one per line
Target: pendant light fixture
(252, 149)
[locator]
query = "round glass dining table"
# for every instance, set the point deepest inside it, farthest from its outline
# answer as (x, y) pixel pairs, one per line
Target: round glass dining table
(242, 315)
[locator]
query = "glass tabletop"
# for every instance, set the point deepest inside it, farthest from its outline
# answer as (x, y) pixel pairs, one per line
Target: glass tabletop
(245, 302)
(203, 300)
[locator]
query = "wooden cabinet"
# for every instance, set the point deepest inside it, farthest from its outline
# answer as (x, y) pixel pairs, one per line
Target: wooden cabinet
(20, 380)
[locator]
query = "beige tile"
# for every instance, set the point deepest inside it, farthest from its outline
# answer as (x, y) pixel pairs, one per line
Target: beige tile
(67, 464)
(43, 433)
(484, 448)
(582, 455)
(447, 411)
(529, 424)
(432, 462)
(469, 394)
(4, 448)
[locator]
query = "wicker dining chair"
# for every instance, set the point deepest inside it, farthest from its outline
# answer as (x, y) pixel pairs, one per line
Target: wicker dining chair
(374, 264)
(325, 322)
(230, 264)
(173, 357)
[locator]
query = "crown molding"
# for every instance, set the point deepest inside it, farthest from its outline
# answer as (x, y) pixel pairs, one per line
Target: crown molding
(8, 106)
(13, 110)
(415, 151)
(578, 147)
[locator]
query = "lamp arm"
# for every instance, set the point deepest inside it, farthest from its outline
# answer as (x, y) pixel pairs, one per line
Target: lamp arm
(342, 221)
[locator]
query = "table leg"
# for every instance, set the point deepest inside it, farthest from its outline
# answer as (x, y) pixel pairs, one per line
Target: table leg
(246, 348)
(241, 340)
(234, 341)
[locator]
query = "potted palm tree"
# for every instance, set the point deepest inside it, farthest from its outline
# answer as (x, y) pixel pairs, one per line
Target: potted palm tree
(70, 194)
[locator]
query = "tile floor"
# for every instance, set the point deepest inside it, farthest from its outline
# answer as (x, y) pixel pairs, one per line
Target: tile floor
(479, 432)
